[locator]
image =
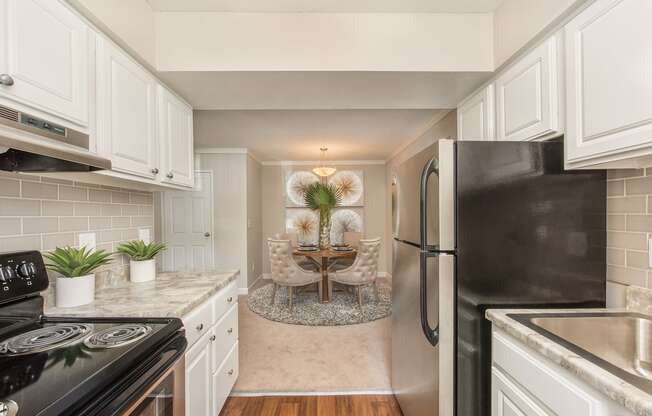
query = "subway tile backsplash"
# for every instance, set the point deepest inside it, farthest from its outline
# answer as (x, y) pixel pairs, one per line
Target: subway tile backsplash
(41, 213)
(629, 226)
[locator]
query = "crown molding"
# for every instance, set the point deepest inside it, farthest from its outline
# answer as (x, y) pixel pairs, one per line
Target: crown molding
(227, 151)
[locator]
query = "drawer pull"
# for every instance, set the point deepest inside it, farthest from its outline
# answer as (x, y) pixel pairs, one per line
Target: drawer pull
(229, 299)
(229, 331)
(200, 327)
(230, 372)
(213, 338)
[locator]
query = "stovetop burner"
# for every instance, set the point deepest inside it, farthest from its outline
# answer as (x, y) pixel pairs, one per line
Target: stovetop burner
(118, 336)
(44, 339)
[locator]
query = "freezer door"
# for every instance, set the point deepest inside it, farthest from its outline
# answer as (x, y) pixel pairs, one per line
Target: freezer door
(426, 182)
(422, 373)
(408, 194)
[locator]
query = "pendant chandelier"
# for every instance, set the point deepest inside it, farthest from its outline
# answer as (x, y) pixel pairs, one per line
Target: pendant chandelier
(323, 170)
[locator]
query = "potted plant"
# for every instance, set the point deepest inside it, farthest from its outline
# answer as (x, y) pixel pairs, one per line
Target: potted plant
(323, 198)
(142, 265)
(76, 284)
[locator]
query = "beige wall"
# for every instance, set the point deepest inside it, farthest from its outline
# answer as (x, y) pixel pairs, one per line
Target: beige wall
(273, 205)
(444, 129)
(254, 221)
(43, 213)
(131, 21)
(516, 22)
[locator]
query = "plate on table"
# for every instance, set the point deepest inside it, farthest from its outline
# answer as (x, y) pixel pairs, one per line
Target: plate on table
(308, 249)
(343, 248)
(339, 245)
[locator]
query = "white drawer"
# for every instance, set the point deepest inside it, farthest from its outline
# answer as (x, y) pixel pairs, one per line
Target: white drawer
(223, 301)
(552, 389)
(225, 335)
(198, 322)
(224, 379)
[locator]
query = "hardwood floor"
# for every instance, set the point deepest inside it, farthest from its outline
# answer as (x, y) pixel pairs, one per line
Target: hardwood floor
(366, 405)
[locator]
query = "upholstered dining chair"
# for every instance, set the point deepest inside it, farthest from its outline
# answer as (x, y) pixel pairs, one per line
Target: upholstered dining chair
(363, 271)
(303, 262)
(285, 270)
(351, 238)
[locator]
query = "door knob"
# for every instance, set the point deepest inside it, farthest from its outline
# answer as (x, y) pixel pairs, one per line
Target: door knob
(207, 234)
(6, 80)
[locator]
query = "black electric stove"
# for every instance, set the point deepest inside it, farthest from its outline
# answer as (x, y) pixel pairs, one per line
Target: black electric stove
(81, 366)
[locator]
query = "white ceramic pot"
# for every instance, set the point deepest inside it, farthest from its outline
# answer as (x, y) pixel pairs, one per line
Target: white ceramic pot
(74, 291)
(142, 271)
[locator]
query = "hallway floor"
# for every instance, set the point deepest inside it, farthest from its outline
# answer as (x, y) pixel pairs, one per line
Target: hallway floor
(371, 405)
(277, 357)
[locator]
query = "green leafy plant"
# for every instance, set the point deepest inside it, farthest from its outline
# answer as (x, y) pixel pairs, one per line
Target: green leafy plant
(137, 250)
(322, 197)
(76, 262)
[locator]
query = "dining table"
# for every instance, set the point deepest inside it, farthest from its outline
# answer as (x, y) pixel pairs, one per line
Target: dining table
(322, 257)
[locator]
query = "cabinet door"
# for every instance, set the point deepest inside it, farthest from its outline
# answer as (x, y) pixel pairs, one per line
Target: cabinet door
(608, 82)
(507, 399)
(176, 139)
(475, 116)
(527, 96)
(226, 335)
(44, 49)
(198, 378)
(224, 379)
(127, 106)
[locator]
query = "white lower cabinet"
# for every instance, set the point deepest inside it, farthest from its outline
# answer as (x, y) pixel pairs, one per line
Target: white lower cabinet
(212, 355)
(524, 383)
(198, 378)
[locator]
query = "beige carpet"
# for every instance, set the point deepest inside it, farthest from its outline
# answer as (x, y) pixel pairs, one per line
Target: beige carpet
(277, 357)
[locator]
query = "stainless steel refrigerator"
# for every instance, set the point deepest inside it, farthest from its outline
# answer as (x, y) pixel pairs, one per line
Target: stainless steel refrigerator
(481, 225)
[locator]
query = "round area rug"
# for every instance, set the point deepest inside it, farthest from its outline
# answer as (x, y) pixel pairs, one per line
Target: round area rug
(342, 310)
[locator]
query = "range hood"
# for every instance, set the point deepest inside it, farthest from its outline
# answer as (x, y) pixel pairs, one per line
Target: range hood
(29, 144)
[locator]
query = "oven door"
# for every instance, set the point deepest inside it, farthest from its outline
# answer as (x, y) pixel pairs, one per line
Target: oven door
(165, 397)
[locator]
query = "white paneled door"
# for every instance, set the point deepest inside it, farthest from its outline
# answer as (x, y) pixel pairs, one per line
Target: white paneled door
(527, 96)
(188, 226)
(475, 117)
(44, 56)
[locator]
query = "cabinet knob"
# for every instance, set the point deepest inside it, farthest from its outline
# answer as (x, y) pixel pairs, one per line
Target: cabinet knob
(155, 171)
(207, 234)
(229, 331)
(230, 372)
(213, 338)
(6, 80)
(170, 175)
(200, 327)
(229, 299)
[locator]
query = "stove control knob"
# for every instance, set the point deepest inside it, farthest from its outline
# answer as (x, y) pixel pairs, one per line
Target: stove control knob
(6, 274)
(8, 408)
(25, 270)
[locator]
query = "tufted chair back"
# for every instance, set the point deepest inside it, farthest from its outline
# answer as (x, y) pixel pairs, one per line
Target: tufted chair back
(285, 270)
(352, 237)
(365, 267)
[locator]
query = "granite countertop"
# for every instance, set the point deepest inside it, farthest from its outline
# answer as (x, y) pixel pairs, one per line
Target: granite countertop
(617, 389)
(172, 294)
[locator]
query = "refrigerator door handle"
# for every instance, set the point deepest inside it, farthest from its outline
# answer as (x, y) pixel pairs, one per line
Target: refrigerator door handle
(432, 335)
(429, 169)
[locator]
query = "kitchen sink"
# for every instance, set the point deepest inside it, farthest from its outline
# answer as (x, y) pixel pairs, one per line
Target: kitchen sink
(620, 343)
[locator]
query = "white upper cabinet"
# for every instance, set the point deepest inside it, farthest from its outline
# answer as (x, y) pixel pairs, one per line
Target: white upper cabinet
(527, 96)
(175, 139)
(609, 84)
(44, 58)
(475, 116)
(126, 112)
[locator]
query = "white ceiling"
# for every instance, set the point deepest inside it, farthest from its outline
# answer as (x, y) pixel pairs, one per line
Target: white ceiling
(266, 90)
(278, 135)
(328, 6)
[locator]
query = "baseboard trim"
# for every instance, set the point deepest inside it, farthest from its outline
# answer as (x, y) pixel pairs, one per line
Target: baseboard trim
(312, 393)
(244, 291)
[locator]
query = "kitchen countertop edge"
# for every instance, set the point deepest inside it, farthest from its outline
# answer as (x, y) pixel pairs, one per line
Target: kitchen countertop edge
(171, 295)
(615, 388)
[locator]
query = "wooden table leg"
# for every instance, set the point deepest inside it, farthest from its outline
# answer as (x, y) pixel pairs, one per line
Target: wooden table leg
(325, 292)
